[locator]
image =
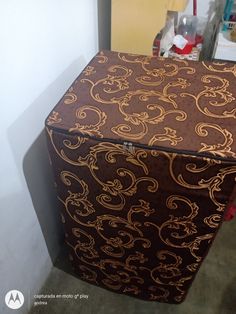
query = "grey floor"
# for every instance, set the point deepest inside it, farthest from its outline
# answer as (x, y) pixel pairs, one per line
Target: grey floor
(213, 291)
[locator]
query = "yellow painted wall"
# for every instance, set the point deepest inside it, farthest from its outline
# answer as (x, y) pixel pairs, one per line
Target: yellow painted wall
(135, 23)
(177, 5)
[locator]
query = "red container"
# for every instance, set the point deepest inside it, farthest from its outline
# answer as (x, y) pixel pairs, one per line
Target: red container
(187, 49)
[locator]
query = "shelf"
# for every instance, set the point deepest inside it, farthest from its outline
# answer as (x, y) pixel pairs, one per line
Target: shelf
(225, 49)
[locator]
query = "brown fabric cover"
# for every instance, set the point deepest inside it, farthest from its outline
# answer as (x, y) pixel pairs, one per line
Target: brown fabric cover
(139, 219)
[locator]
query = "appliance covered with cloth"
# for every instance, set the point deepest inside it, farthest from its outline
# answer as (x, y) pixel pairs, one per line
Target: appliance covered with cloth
(143, 151)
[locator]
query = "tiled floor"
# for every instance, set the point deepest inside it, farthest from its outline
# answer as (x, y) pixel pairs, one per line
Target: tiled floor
(213, 291)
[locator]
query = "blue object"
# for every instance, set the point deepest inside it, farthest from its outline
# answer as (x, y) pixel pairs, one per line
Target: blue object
(227, 11)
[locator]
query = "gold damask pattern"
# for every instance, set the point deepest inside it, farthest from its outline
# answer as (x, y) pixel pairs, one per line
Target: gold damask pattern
(144, 158)
(154, 102)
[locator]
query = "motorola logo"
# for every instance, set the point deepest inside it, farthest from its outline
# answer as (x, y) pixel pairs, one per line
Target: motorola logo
(14, 299)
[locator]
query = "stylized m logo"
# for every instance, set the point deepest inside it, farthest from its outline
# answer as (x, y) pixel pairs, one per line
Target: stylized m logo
(14, 299)
(17, 298)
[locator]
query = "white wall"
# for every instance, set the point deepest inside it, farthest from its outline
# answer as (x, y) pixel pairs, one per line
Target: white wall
(44, 45)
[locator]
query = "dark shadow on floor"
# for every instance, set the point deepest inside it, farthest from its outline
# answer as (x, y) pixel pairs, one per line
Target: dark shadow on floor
(39, 178)
(63, 263)
(228, 302)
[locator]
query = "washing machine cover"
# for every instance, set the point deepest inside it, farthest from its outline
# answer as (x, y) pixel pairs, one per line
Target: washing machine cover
(144, 156)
